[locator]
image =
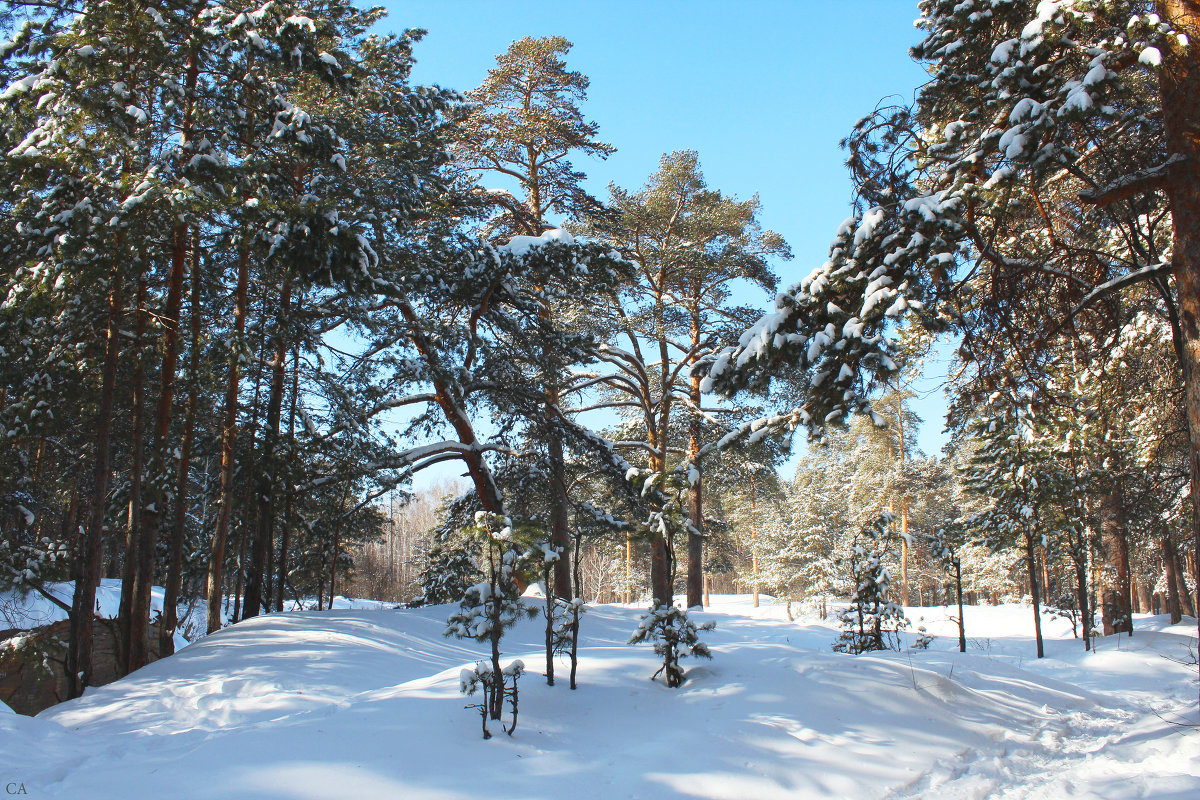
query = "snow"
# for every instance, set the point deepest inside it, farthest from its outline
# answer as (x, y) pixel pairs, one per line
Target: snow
(365, 703)
(521, 245)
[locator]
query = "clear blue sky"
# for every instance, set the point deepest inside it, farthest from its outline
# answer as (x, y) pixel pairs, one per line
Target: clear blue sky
(763, 90)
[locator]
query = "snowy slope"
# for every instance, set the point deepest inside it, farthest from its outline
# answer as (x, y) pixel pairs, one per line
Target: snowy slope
(365, 704)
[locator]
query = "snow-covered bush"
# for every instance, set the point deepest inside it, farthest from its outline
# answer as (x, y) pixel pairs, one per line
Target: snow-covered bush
(675, 637)
(872, 621)
(449, 570)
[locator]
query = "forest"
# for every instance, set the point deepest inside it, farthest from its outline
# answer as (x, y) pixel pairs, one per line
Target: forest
(255, 282)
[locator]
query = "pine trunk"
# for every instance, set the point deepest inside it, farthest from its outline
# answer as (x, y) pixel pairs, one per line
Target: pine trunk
(1079, 559)
(130, 635)
(1167, 547)
(1118, 607)
(1031, 566)
(174, 583)
(695, 539)
(1180, 88)
(216, 563)
(1185, 596)
(257, 597)
(285, 534)
(962, 625)
(91, 552)
(560, 534)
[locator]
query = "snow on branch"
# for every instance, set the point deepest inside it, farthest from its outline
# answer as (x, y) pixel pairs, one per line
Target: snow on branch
(1160, 269)
(1135, 183)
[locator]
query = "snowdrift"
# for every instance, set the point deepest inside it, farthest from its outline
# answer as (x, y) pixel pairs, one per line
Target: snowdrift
(365, 704)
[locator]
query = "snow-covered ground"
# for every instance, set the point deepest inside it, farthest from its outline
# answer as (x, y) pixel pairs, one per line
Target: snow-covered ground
(364, 703)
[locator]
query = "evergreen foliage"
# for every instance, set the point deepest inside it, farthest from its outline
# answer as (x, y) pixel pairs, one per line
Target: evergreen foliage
(675, 637)
(872, 621)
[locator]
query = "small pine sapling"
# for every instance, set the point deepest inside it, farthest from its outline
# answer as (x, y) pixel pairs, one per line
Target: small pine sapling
(944, 546)
(675, 637)
(482, 678)
(872, 621)
(490, 607)
(924, 639)
(566, 635)
(550, 557)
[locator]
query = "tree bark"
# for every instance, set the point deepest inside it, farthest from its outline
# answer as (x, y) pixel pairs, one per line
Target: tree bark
(174, 583)
(962, 625)
(264, 533)
(156, 498)
(695, 539)
(1031, 566)
(560, 534)
(130, 635)
(1167, 547)
(91, 553)
(1179, 82)
(1185, 595)
(1118, 607)
(285, 534)
(216, 563)
(1079, 559)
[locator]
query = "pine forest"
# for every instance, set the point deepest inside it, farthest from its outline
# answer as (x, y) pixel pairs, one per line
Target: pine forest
(337, 395)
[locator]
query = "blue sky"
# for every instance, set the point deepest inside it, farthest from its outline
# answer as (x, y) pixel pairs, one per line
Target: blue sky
(763, 90)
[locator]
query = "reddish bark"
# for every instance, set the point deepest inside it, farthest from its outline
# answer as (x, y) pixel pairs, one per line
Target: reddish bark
(91, 551)
(216, 563)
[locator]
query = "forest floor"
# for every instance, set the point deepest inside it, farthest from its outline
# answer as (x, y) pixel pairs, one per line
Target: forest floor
(364, 703)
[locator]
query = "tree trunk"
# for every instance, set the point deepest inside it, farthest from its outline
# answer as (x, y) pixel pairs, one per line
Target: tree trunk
(1118, 607)
(1186, 605)
(1167, 548)
(695, 540)
(1142, 592)
(962, 625)
(216, 563)
(131, 636)
(174, 583)
(1031, 566)
(904, 591)
(560, 534)
(1179, 80)
(91, 552)
(264, 533)
(157, 499)
(285, 534)
(1079, 559)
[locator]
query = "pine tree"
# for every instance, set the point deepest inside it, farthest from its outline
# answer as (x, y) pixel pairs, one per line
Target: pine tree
(690, 243)
(872, 621)
(494, 604)
(524, 126)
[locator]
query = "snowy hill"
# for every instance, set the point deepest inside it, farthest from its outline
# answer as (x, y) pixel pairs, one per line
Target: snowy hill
(365, 704)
